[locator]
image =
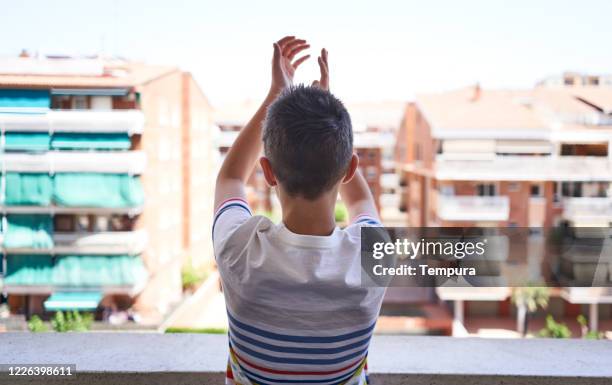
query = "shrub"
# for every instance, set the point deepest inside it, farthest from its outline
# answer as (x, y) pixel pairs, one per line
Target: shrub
(192, 277)
(36, 325)
(72, 321)
(554, 329)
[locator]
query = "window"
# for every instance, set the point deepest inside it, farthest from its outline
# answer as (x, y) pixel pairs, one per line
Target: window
(535, 190)
(571, 189)
(486, 189)
(417, 151)
(447, 190)
(121, 223)
(64, 223)
(82, 223)
(101, 223)
(371, 172)
(79, 102)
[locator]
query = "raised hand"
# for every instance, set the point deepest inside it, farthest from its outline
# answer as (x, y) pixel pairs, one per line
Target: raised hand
(323, 83)
(283, 65)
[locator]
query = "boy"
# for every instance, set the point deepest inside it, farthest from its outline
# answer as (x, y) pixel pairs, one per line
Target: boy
(296, 309)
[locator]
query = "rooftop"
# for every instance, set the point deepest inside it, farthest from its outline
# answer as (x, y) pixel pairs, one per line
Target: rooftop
(45, 72)
(540, 109)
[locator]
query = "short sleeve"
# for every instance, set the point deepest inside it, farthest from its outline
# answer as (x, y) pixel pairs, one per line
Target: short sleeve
(230, 215)
(366, 219)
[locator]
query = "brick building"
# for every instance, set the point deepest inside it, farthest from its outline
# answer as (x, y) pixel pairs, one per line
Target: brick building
(374, 126)
(104, 163)
(523, 158)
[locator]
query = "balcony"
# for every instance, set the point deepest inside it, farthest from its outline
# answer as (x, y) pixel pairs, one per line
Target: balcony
(104, 243)
(124, 162)
(129, 358)
(536, 168)
(588, 211)
(129, 121)
(473, 208)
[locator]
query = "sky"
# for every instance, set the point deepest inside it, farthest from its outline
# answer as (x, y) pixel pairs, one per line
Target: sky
(379, 50)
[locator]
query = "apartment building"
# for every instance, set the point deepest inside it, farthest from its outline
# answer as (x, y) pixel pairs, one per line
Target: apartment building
(374, 126)
(103, 166)
(510, 158)
(375, 134)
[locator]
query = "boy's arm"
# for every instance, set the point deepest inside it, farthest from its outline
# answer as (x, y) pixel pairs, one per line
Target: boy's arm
(358, 198)
(242, 156)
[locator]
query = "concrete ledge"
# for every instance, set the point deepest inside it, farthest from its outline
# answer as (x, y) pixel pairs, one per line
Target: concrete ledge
(130, 358)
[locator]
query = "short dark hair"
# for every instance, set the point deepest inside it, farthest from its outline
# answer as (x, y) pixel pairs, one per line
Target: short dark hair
(308, 139)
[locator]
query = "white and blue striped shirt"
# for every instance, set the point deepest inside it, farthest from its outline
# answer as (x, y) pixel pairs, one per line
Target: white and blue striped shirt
(296, 307)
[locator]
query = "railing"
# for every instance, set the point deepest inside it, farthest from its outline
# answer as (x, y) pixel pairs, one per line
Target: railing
(126, 358)
(103, 242)
(130, 162)
(593, 211)
(130, 121)
(473, 208)
(560, 168)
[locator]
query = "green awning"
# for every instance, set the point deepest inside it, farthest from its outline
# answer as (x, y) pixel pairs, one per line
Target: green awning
(25, 98)
(28, 231)
(26, 141)
(90, 141)
(75, 271)
(28, 189)
(73, 300)
(97, 190)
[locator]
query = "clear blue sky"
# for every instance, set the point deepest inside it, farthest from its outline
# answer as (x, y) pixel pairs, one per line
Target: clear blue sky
(379, 50)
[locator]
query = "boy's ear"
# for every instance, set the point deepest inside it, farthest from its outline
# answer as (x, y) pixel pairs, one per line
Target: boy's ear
(352, 169)
(267, 171)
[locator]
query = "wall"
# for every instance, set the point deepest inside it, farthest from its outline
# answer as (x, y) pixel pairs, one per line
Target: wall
(161, 103)
(126, 358)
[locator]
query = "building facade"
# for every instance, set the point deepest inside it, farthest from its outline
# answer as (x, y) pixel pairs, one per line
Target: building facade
(104, 167)
(374, 136)
(496, 158)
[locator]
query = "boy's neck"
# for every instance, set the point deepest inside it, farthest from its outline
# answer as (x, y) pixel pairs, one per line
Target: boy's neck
(310, 217)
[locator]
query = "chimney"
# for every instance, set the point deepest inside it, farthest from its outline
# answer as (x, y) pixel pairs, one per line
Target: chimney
(476, 93)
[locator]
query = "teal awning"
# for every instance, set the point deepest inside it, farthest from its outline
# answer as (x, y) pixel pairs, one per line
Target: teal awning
(28, 189)
(73, 300)
(89, 141)
(24, 98)
(28, 270)
(27, 141)
(28, 231)
(75, 271)
(97, 190)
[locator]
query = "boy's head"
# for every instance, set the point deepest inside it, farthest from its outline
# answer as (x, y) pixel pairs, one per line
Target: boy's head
(308, 142)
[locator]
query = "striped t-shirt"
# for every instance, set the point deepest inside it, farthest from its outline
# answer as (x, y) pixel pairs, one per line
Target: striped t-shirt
(297, 310)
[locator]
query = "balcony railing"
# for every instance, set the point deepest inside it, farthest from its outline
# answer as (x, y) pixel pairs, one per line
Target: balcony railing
(473, 208)
(103, 242)
(538, 168)
(130, 121)
(129, 358)
(588, 211)
(125, 162)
